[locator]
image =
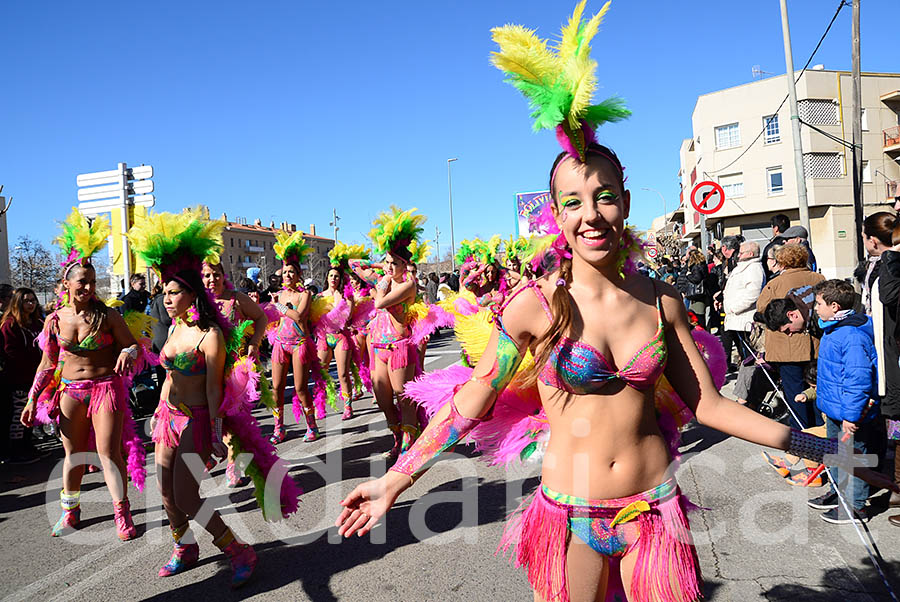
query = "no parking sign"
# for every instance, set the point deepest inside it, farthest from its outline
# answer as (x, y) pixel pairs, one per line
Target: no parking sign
(707, 197)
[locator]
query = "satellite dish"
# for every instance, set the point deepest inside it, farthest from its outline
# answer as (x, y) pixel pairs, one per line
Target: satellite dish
(756, 71)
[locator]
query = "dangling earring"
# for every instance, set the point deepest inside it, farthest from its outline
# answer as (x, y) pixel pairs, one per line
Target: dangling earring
(192, 314)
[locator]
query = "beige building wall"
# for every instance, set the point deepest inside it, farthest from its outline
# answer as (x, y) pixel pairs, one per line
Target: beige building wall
(744, 169)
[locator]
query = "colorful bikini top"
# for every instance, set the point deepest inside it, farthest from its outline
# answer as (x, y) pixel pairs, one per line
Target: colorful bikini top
(92, 342)
(231, 310)
(578, 368)
(187, 363)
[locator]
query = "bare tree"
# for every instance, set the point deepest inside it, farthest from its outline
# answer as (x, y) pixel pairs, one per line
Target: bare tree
(32, 265)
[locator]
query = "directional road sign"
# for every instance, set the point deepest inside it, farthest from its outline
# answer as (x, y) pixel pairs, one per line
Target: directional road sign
(707, 197)
(141, 187)
(95, 193)
(144, 172)
(98, 177)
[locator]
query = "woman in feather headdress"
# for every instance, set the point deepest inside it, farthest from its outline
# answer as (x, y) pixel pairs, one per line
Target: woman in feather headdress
(292, 342)
(602, 337)
(192, 411)
(396, 234)
(335, 337)
(480, 270)
(87, 351)
(513, 255)
(237, 307)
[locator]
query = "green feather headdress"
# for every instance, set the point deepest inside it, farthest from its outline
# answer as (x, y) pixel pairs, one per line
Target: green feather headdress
(559, 83)
(395, 231)
(515, 249)
(479, 251)
(291, 247)
(171, 242)
(342, 253)
(81, 239)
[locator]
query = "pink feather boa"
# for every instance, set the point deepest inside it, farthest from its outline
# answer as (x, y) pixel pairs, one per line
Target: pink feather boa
(244, 427)
(362, 363)
(363, 312)
(334, 321)
(436, 318)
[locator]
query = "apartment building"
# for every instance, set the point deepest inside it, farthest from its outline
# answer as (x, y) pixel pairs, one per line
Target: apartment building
(742, 140)
(251, 245)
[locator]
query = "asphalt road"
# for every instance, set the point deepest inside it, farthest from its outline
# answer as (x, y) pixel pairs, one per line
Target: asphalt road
(756, 539)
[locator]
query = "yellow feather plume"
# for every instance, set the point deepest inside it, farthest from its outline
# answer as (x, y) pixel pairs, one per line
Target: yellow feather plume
(320, 306)
(523, 53)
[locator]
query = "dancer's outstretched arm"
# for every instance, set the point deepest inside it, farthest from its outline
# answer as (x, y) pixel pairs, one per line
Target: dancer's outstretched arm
(690, 377)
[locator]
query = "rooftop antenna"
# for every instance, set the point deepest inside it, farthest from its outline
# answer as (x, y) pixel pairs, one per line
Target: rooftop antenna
(758, 72)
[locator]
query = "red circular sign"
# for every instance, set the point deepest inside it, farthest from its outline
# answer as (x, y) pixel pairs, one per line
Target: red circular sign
(651, 252)
(710, 193)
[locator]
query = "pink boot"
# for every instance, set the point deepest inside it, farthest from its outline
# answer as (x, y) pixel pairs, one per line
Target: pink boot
(184, 556)
(71, 514)
(312, 429)
(241, 555)
(348, 410)
(122, 517)
(279, 433)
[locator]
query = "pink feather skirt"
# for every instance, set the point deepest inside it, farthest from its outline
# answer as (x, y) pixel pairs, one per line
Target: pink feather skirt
(394, 348)
(171, 422)
(106, 394)
(667, 568)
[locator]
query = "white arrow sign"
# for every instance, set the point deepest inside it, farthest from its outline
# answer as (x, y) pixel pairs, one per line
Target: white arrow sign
(95, 208)
(98, 177)
(99, 192)
(141, 187)
(144, 172)
(148, 200)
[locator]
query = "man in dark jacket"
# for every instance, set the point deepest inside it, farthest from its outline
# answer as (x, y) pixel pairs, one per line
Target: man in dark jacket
(137, 298)
(780, 223)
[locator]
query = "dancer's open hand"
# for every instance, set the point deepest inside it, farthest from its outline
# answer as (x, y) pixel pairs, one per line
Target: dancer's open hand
(368, 502)
(27, 417)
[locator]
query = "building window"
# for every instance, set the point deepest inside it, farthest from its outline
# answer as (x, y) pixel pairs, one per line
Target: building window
(822, 165)
(865, 121)
(818, 111)
(728, 136)
(773, 133)
(232, 242)
(230, 258)
(733, 185)
(774, 180)
(866, 173)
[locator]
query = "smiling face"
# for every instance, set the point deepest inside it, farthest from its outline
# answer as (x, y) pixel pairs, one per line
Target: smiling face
(290, 275)
(591, 207)
(81, 282)
(177, 298)
(213, 279)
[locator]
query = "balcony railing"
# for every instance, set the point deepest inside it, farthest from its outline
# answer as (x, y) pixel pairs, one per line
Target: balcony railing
(892, 138)
(893, 189)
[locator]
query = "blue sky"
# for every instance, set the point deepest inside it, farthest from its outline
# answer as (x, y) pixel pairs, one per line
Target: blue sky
(283, 110)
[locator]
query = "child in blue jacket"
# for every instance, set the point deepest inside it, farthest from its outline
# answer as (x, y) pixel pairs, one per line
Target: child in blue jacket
(847, 390)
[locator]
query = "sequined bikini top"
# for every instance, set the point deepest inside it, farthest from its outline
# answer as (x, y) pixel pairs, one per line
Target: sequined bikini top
(92, 342)
(578, 368)
(188, 363)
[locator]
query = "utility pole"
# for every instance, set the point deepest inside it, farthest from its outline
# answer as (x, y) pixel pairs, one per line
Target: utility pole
(437, 243)
(795, 121)
(856, 155)
(334, 222)
(450, 196)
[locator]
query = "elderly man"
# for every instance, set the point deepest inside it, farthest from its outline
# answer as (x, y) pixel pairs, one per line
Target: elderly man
(739, 298)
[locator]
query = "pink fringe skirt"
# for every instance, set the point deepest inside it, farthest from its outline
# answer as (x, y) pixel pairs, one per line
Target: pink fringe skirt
(171, 422)
(666, 569)
(394, 348)
(283, 350)
(106, 394)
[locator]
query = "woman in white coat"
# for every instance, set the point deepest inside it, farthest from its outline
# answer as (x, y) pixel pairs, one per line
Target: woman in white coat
(739, 298)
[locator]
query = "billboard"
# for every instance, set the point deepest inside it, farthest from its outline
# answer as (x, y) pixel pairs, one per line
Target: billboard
(528, 207)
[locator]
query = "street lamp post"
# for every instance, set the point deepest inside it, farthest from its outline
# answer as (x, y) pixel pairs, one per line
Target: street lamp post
(450, 197)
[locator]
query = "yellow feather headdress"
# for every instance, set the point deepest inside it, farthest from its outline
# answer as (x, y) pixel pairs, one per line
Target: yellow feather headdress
(291, 247)
(81, 238)
(395, 231)
(559, 83)
(342, 253)
(171, 242)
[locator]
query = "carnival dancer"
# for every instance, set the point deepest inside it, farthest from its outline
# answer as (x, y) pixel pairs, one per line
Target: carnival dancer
(602, 336)
(513, 254)
(363, 312)
(394, 352)
(292, 344)
(207, 392)
(237, 307)
(334, 330)
(480, 270)
(88, 351)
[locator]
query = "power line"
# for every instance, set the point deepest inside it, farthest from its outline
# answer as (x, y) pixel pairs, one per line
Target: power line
(802, 71)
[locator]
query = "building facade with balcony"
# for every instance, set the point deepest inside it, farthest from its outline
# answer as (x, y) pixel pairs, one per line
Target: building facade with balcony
(249, 245)
(742, 142)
